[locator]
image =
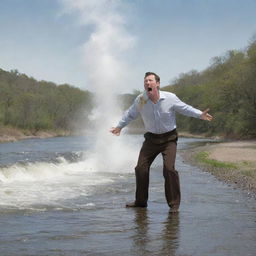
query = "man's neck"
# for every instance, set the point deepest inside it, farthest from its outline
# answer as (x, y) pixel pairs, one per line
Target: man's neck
(155, 97)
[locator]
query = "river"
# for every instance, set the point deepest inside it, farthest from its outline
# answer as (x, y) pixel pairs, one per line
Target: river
(54, 201)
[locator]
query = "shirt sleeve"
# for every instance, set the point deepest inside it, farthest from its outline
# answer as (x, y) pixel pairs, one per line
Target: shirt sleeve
(185, 109)
(129, 115)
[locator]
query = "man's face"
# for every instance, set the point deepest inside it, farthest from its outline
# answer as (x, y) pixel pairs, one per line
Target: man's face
(150, 84)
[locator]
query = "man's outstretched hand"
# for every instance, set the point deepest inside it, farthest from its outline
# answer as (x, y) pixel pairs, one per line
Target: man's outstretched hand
(116, 130)
(206, 116)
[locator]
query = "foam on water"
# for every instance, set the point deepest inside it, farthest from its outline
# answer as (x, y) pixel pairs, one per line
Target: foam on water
(41, 185)
(106, 70)
(46, 183)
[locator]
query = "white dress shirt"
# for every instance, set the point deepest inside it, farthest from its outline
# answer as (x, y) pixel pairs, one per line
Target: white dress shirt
(160, 117)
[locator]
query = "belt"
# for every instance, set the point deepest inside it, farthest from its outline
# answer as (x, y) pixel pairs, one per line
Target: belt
(162, 134)
(161, 138)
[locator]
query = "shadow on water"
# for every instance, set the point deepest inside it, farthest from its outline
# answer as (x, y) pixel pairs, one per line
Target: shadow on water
(152, 238)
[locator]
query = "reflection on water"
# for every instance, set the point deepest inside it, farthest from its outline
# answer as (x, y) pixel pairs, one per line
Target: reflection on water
(170, 236)
(155, 239)
(141, 237)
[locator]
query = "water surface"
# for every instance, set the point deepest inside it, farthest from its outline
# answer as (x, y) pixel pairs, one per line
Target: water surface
(58, 199)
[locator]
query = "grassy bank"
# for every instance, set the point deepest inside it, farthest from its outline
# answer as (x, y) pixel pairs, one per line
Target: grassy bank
(232, 162)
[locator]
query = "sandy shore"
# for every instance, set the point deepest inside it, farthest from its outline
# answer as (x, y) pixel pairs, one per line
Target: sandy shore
(231, 162)
(235, 152)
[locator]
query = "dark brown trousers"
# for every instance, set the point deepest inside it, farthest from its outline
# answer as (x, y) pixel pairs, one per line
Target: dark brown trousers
(153, 146)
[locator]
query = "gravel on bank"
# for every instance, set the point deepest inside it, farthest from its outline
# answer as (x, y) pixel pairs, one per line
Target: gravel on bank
(232, 162)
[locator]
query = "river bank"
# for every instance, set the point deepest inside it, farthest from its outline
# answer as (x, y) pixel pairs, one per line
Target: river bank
(10, 134)
(231, 162)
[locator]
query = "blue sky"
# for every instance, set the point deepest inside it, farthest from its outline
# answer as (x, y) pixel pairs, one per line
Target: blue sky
(170, 37)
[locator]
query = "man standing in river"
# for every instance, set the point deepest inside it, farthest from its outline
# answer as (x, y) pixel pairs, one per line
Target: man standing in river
(157, 109)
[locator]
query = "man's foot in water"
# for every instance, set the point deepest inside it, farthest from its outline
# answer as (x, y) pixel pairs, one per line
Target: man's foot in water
(174, 208)
(133, 204)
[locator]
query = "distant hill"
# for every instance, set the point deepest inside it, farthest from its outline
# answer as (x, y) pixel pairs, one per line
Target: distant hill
(26, 103)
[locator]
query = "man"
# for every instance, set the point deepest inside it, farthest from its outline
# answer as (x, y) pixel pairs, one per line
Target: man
(157, 109)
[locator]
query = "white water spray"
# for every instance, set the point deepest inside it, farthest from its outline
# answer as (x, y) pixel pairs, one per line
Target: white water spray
(108, 74)
(38, 185)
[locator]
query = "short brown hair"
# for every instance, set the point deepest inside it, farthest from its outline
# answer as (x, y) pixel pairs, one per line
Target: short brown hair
(157, 77)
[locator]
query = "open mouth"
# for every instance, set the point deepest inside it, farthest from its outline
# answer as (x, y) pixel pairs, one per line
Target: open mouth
(149, 89)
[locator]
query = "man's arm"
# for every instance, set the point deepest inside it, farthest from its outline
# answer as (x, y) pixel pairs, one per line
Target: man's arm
(188, 110)
(129, 115)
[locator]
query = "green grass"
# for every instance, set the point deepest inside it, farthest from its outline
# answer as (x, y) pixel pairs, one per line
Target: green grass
(203, 157)
(249, 173)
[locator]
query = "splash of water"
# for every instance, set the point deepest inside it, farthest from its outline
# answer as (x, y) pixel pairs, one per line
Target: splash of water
(104, 55)
(106, 69)
(39, 186)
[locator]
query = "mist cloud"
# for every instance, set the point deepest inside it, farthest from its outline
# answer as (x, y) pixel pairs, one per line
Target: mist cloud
(108, 43)
(106, 69)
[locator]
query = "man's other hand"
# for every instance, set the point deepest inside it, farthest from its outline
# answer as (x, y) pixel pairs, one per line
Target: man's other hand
(206, 116)
(116, 130)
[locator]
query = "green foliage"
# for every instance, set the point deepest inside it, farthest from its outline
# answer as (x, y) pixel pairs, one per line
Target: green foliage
(228, 88)
(29, 104)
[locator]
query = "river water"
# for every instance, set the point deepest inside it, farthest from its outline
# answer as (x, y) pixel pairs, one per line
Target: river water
(56, 199)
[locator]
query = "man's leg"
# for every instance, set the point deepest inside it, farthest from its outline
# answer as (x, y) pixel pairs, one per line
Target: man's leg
(171, 176)
(147, 155)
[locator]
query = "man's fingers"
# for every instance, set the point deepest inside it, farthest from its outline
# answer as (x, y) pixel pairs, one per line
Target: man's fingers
(206, 111)
(206, 116)
(209, 117)
(115, 130)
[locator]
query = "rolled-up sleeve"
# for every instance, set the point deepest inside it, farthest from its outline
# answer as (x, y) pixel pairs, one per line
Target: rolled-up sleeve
(185, 109)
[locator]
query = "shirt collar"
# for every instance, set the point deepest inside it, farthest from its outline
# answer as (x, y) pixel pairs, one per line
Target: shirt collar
(162, 95)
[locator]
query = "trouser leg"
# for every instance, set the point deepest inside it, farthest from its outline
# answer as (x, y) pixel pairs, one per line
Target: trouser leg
(147, 155)
(171, 176)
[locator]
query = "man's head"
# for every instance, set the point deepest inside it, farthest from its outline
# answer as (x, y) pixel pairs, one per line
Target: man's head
(151, 82)
(157, 78)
